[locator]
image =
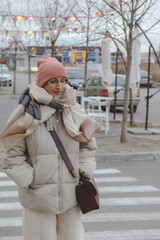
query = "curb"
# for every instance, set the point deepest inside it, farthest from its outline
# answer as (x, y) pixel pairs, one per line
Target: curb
(125, 157)
(128, 156)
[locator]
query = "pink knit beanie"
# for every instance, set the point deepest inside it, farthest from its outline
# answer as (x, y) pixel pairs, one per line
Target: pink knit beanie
(49, 68)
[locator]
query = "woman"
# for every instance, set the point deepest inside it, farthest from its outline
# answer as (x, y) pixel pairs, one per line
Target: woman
(32, 160)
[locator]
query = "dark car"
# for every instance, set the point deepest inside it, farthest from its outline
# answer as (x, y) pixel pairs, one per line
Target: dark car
(76, 76)
(144, 79)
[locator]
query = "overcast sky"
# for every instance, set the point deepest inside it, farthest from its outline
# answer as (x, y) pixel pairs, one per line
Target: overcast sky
(20, 7)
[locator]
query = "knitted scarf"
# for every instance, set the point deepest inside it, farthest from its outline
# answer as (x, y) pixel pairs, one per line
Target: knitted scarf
(27, 116)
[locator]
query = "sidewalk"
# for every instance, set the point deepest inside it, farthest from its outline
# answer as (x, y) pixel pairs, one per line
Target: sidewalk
(141, 144)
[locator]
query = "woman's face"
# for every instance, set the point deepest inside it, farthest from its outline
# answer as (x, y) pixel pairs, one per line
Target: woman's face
(56, 86)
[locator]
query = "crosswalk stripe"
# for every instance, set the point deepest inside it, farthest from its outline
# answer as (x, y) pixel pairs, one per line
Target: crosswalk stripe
(135, 234)
(115, 179)
(97, 171)
(98, 217)
(10, 206)
(7, 183)
(129, 201)
(12, 238)
(107, 171)
(128, 189)
(98, 180)
(103, 202)
(121, 216)
(11, 222)
(5, 194)
(2, 174)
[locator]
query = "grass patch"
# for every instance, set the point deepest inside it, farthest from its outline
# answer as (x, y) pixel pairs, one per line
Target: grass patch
(134, 125)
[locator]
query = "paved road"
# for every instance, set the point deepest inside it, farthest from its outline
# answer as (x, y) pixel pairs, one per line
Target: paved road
(130, 204)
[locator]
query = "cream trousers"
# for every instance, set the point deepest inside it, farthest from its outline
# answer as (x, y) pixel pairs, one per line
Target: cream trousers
(49, 226)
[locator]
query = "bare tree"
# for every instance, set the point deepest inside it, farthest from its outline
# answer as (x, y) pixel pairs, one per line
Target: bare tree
(121, 25)
(56, 13)
(88, 19)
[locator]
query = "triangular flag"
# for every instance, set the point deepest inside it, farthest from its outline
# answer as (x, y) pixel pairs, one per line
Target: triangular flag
(43, 34)
(15, 20)
(22, 33)
(26, 18)
(10, 33)
(20, 19)
(30, 33)
(37, 19)
(6, 33)
(26, 34)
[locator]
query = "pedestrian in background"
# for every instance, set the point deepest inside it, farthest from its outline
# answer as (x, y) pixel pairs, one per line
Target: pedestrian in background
(32, 160)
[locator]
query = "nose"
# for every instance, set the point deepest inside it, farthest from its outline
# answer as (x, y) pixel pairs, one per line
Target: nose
(59, 84)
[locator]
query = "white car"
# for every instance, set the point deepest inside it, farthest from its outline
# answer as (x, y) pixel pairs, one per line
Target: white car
(5, 77)
(96, 88)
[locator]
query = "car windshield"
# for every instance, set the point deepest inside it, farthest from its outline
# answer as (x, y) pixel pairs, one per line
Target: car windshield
(2, 71)
(120, 81)
(77, 73)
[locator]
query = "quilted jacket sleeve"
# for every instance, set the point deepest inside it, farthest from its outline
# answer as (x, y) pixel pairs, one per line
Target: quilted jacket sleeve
(87, 163)
(14, 164)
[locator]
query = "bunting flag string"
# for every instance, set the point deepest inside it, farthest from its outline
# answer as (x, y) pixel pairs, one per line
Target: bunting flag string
(46, 19)
(47, 33)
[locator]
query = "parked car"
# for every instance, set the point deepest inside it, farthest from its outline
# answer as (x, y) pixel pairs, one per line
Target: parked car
(5, 77)
(4, 66)
(96, 88)
(76, 76)
(144, 79)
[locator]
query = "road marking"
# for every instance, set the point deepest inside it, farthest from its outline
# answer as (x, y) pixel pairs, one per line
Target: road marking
(11, 222)
(115, 179)
(134, 189)
(98, 180)
(98, 217)
(103, 202)
(10, 206)
(121, 216)
(134, 234)
(2, 174)
(12, 238)
(7, 183)
(107, 171)
(97, 171)
(5, 194)
(129, 201)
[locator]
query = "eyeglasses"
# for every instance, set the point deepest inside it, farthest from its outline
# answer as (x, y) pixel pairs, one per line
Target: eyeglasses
(55, 81)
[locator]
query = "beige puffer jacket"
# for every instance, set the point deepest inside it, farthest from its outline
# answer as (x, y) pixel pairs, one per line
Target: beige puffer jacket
(35, 165)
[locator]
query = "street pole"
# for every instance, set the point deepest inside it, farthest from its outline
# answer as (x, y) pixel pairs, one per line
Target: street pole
(147, 105)
(15, 68)
(115, 89)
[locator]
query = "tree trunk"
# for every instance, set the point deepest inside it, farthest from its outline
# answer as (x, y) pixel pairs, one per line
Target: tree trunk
(126, 93)
(86, 60)
(15, 67)
(29, 68)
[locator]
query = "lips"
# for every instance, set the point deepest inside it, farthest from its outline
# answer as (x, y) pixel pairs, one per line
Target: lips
(58, 92)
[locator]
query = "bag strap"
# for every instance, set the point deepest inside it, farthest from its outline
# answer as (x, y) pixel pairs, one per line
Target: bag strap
(63, 153)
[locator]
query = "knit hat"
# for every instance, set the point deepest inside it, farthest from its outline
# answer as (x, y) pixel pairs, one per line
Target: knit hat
(49, 68)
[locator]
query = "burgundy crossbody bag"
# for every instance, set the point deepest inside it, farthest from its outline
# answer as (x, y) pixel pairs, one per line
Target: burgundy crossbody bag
(86, 190)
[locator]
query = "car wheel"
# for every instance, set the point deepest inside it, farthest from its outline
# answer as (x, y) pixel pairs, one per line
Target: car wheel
(134, 108)
(103, 108)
